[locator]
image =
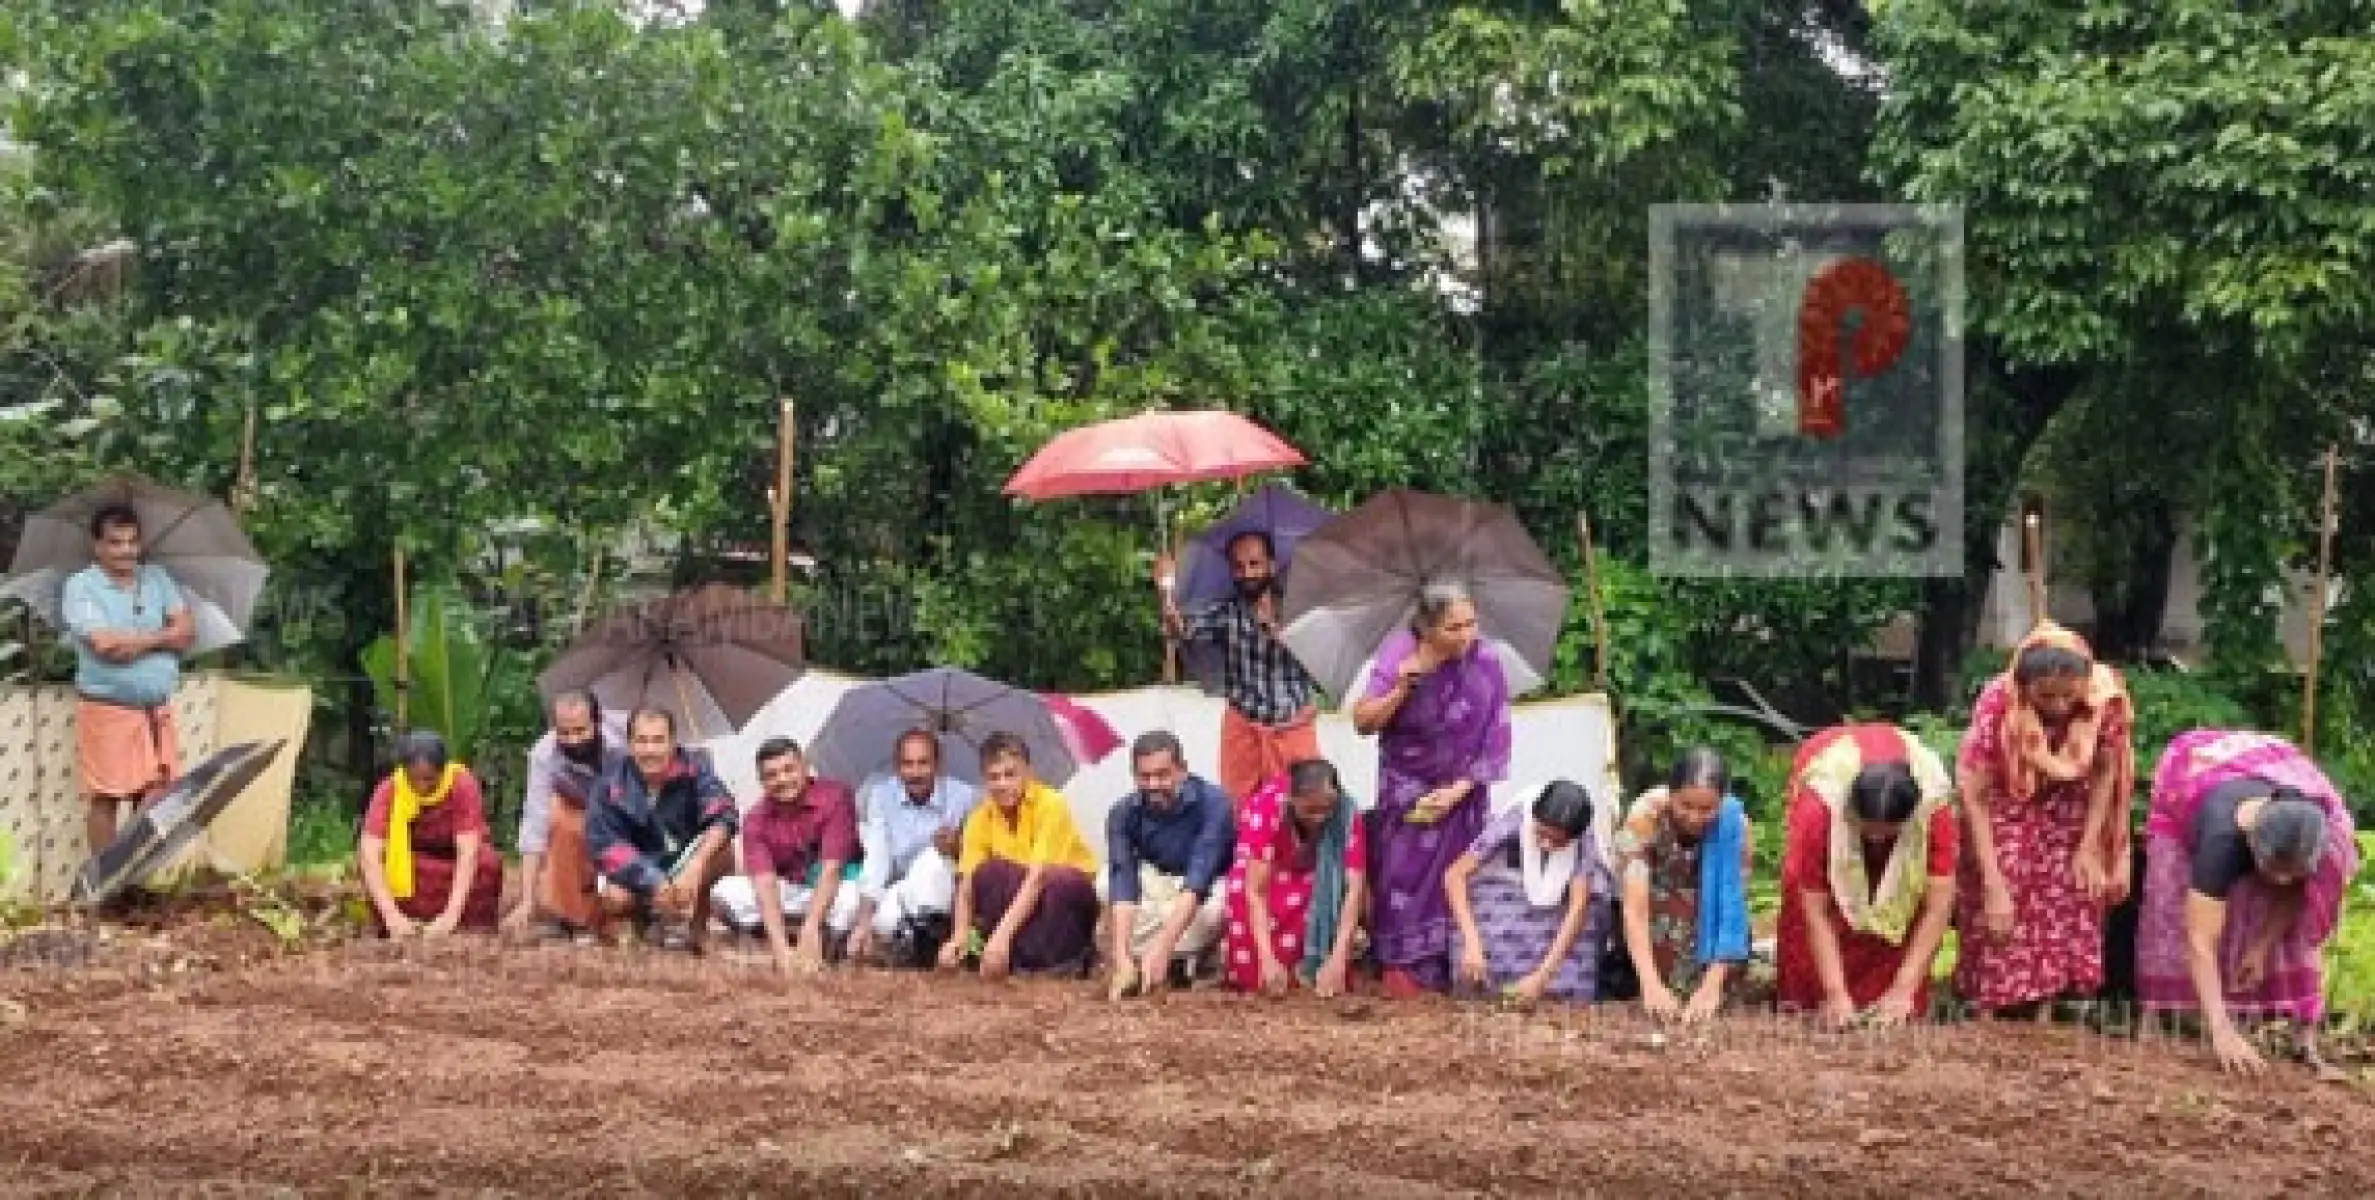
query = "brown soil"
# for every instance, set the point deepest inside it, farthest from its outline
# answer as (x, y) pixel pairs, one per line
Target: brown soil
(208, 1058)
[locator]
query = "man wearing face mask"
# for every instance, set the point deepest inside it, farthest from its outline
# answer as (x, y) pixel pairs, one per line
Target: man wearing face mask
(1269, 723)
(556, 870)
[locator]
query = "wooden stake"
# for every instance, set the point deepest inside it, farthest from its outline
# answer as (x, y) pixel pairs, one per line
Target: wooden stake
(2317, 604)
(585, 598)
(403, 647)
(2033, 536)
(782, 550)
(243, 486)
(1591, 587)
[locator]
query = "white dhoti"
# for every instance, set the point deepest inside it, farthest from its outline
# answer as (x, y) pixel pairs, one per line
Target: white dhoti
(738, 902)
(1157, 892)
(929, 886)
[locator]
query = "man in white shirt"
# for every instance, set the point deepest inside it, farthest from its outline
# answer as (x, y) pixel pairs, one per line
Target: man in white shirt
(907, 828)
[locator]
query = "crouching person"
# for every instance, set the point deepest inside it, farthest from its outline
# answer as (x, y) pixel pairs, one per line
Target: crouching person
(428, 865)
(658, 826)
(1026, 882)
(1167, 848)
(795, 843)
(909, 826)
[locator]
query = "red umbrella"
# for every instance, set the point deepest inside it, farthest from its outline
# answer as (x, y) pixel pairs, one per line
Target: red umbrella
(1089, 736)
(1151, 450)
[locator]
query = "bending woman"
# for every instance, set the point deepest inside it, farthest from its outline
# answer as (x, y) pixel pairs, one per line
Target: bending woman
(1438, 702)
(2046, 773)
(428, 865)
(2249, 850)
(1295, 888)
(1684, 855)
(1532, 899)
(1867, 881)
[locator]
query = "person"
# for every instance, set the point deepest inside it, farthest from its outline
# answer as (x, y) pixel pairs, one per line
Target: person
(1532, 897)
(428, 864)
(907, 837)
(1867, 876)
(795, 843)
(1270, 713)
(1683, 859)
(1438, 702)
(2249, 851)
(2046, 774)
(1166, 847)
(1296, 884)
(658, 827)
(1026, 880)
(129, 626)
(556, 871)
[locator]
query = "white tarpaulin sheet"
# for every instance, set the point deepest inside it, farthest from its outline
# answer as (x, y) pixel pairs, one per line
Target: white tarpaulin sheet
(1570, 738)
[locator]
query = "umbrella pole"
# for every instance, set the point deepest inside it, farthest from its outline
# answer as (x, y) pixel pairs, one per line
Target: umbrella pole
(2317, 607)
(781, 502)
(403, 647)
(684, 696)
(1591, 587)
(2033, 535)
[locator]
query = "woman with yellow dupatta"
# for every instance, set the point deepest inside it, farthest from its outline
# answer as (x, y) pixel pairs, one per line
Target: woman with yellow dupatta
(1867, 878)
(2046, 773)
(428, 865)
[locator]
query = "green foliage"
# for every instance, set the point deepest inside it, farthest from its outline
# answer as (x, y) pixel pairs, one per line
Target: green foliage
(2350, 957)
(7, 860)
(454, 672)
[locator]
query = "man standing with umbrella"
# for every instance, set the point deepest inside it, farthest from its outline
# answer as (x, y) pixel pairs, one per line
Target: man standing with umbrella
(1271, 714)
(129, 626)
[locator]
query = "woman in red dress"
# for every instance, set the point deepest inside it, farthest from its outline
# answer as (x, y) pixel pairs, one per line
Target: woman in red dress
(1867, 879)
(2046, 773)
(428, 865)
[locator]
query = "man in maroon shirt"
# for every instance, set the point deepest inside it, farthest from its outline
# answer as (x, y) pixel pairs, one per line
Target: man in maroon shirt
(798, 842)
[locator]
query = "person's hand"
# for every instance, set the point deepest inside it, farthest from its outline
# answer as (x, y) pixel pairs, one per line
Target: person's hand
(1276, 979)
(1838, 1012)
(996, 959)
(1124, 981)
(861, 940)
(1155, 969)
(1997, 914)
(1421, 663)
(1703, 1005)
(1894, 1009)
(946, 842)
(1529, 990)
(2087, 869)
(1473, 969)
(401, 927)
(952, 954)
(1329, 983)
(2236, 1053)
(1658, 1000)
(521, 916)
(809, 956)
(2253, 970)
(443, 926)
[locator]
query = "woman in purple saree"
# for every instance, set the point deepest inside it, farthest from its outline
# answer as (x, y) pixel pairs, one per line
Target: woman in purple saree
(1438, 702)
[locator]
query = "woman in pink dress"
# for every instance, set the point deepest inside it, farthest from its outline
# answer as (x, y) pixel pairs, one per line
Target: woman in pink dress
(1295, 887)
(2046, 773)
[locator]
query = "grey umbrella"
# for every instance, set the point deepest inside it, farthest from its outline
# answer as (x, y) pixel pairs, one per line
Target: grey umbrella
(160, 831)
(195, 538)
(714, 656)
(1359, 576)
(860, 737)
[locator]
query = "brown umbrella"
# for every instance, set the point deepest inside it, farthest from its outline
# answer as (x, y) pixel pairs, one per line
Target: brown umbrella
(713, 650)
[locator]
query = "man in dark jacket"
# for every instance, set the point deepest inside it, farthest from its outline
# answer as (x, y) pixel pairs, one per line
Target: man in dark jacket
(658, 826)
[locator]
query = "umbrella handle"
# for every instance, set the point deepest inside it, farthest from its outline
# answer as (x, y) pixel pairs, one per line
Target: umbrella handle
(684, 695)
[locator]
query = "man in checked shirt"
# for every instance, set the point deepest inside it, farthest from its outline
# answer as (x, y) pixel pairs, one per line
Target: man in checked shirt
(1272, 710)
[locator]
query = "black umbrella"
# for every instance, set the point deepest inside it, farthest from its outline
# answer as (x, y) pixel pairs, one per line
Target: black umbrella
(162, 829)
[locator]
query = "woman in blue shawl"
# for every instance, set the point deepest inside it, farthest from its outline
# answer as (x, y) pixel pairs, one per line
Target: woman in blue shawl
(1683, 855)
(1438, 702)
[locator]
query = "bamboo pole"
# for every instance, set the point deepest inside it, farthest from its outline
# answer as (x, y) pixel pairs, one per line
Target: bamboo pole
(243, 486)
(781, 502)
(585, 597)
(403, 647)
(2033, 537)
(2317, 604)
(1599, 609)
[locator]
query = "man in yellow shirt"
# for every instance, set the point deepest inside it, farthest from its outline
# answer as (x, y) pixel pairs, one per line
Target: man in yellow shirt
(1027, 883)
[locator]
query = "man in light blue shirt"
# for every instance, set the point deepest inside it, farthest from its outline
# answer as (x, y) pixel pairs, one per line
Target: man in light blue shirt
(907, 832)
(129, 626)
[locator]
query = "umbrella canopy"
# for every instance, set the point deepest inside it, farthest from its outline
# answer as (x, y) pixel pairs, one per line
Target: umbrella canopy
(860, 738)
(162, 829)
(1277, 510)
(713, 652)
(1151, 450)
(195, 538)
(1359, 576)
(1088, 736)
